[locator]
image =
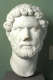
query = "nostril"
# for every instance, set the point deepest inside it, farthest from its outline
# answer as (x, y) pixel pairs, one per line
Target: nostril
(27, 39)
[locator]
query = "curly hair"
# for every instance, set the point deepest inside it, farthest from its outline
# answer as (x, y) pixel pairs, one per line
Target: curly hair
(25, 10)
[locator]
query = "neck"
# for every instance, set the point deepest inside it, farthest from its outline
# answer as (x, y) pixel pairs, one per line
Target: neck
(23, 67)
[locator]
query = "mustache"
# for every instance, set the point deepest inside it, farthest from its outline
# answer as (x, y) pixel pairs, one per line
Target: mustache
(26, 44)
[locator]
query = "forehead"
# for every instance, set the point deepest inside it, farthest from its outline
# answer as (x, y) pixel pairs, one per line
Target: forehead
(25, 21)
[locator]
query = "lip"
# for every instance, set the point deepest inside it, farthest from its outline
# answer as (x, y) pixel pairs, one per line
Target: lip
(27, 45)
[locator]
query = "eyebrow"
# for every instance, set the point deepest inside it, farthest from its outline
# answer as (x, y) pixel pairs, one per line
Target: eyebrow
(22, 26)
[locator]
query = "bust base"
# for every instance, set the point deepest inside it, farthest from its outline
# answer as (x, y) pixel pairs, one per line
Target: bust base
(12, 76)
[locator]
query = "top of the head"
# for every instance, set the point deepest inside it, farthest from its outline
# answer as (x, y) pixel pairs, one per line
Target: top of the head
(23, 10)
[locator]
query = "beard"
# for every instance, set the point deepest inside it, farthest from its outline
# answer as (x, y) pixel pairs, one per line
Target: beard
(27, 51)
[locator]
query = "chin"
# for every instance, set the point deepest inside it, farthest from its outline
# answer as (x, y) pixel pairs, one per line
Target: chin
(27, 53)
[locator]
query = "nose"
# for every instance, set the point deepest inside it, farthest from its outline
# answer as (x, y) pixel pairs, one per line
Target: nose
(26, 35)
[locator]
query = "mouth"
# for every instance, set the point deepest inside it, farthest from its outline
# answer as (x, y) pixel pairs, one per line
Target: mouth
(27, 45)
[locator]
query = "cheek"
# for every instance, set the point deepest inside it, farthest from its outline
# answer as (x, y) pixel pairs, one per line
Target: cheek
(36, 38)
(35, 35)
(14, 37)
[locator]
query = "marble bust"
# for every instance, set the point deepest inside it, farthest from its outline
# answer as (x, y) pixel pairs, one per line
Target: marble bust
(26, 29)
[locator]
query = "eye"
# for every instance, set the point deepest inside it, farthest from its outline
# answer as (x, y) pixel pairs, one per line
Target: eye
(30, 28)
(37, 27)
(18, 28)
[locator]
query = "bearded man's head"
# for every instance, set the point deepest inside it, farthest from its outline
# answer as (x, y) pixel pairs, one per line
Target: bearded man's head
(26, 28)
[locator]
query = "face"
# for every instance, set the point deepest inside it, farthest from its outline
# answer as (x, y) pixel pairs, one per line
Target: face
(25, 36)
